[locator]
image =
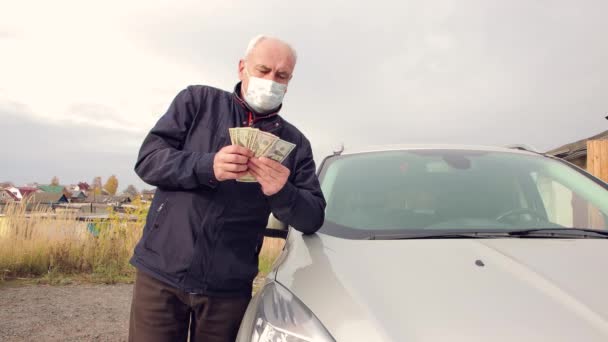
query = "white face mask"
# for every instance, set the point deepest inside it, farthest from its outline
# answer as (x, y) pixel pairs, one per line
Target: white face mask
(264, 95)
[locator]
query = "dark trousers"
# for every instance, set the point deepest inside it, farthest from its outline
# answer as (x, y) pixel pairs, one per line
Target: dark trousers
(163, 313)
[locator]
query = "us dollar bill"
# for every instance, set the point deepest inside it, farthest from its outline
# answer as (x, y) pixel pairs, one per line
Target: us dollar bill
(262, 142)
(279, 150)
(232, 132)
(248, 178)
(242, 137)
(253, 132)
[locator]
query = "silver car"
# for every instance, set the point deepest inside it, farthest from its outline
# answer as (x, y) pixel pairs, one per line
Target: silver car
(443, 244)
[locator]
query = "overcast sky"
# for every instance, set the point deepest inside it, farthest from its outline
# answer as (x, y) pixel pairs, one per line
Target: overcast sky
(81, 84)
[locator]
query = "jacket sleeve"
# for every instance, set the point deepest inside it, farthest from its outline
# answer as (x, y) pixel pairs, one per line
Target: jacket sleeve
(162, 162)
(300, 203)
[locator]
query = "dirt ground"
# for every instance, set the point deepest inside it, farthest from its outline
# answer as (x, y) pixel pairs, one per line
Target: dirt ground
(64, 313)
(85, 312)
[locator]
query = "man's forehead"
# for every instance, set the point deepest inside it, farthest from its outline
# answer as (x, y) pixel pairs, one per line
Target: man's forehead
(270, 52)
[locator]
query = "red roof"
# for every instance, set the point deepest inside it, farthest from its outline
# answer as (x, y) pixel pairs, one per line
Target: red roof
(84, 186)
(27, 190)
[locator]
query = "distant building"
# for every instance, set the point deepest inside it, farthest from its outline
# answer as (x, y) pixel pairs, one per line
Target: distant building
(148, 195)
(84, 186)
(576, 152)
(55, 189)
(94, 198)
(121, 199)
(72, 188)
(28, 190)
(6, 196)
(78, 196)
(49, 198)
(15, 192)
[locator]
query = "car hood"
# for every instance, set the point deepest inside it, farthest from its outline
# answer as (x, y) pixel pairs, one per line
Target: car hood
(452, 289)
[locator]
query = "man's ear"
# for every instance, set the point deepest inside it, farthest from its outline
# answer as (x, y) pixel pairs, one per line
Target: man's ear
(290, 77)
(241, 70)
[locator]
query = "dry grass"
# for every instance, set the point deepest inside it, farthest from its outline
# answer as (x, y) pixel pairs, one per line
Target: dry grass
(56, 248)
(270, 251)
(55, 245)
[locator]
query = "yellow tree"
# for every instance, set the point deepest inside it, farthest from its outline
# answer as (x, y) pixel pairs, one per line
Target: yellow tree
(111, 185)
(96, 185)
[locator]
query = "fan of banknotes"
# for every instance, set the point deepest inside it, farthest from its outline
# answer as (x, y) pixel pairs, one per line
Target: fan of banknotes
(263, 144)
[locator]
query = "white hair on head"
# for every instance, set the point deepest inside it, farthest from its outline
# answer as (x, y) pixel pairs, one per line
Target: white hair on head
(259, 38)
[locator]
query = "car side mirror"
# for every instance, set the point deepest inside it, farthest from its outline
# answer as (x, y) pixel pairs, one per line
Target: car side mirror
(275, 228)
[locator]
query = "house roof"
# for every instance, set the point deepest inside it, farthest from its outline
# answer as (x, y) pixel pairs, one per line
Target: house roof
(576, 149)
(121, 198)
(46, 197)
(84, 186)
(97, 198)
(13, 190)
(9, 194)
(58, 189)
(78, 193)
(26, 190)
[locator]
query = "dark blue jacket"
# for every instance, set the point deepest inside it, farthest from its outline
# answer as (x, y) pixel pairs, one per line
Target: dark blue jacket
(201, 235)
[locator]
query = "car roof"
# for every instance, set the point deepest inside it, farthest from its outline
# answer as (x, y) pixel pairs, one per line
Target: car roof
(518, 149)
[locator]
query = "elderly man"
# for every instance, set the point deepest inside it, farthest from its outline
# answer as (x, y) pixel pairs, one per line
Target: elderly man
(199, 251)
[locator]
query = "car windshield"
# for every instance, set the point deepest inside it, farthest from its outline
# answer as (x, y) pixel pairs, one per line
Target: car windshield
(414, 191)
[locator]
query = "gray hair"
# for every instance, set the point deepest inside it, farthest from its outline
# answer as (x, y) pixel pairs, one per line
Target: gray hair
(257, 39)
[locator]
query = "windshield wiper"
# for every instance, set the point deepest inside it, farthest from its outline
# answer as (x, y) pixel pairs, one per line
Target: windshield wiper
(524, 233)
(561, 232)
(455, 235)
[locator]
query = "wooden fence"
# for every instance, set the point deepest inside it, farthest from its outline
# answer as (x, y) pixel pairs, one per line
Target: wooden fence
(597, 158)
(597, 165)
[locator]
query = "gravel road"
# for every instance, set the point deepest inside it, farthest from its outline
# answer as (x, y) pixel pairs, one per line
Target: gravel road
(65, 313)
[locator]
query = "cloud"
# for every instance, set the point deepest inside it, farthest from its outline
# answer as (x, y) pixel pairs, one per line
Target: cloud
(100, 115)
(382, 72)
(440, 71)
(36, 150)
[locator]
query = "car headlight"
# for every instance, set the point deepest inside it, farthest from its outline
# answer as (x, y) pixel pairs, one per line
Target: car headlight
(281, 317)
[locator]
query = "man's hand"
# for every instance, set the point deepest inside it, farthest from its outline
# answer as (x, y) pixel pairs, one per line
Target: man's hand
(271, 175)
(231, 162)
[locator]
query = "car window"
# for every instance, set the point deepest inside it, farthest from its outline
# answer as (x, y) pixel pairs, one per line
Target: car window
(456, 189)
(564, 207)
